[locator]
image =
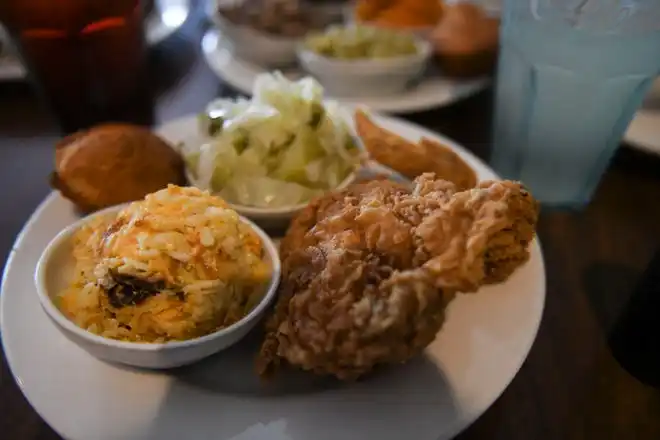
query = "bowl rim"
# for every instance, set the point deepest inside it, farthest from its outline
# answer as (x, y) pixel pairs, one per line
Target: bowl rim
(220, 22)
(423, 54)
(260, 211)
(46, 260)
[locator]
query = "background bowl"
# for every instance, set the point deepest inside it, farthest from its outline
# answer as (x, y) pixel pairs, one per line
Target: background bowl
(367, 77)
(251, 44)
(54, 272)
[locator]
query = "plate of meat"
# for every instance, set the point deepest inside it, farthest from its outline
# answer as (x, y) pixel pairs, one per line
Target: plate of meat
(405, 308)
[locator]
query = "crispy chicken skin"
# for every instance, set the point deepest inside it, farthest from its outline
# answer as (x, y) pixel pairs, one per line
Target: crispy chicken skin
(369, 271)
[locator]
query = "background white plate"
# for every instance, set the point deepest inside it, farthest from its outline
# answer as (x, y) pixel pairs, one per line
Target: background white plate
(644, 130)
(10, 66)
(165, 19)
(481, 347)
(433, 91)
(160, 24)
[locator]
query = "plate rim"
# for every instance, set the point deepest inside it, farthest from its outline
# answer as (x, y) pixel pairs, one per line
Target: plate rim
(11, 68)
(395, 106)
(159, 31)
(423, 131)
(640, 135)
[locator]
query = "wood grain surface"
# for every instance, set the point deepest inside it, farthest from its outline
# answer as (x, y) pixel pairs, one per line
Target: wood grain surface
(570, 387)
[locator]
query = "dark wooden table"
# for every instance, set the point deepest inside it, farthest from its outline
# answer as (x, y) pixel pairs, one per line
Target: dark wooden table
(570, 386)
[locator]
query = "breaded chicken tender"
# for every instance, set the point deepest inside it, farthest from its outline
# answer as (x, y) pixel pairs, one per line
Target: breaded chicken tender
(413, 159)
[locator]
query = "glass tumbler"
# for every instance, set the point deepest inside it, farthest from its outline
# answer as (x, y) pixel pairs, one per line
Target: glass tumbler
(86, 58)
(571, 75)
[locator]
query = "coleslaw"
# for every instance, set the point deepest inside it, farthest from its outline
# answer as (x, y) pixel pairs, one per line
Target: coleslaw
(280, 148)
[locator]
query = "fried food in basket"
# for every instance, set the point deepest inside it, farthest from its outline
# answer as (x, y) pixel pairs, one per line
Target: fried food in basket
(368, 9)
(369, 271)
(112, 164)
(413, 159)
(399, 13)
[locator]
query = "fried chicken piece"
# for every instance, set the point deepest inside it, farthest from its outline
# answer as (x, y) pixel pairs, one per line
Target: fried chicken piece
(369, 271)
(399, 13)
(367, 10)
(413, 159)
(328, 205)
(485, 235)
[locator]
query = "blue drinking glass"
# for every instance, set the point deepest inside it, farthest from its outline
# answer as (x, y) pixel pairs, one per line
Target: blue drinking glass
(571, 75)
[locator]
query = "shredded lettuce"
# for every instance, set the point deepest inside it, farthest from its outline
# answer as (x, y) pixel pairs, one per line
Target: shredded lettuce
(280, 148)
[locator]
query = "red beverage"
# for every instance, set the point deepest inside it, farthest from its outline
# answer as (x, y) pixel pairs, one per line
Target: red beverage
(87, 58)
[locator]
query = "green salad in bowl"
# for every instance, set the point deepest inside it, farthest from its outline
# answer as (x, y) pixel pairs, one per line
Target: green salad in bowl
(279, 149)
(361, 43)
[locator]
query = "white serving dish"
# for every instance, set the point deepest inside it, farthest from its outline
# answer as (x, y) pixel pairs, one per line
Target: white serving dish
(271, 218)
(54, 271)
(483, 344)
(368, 77)
(250, 44)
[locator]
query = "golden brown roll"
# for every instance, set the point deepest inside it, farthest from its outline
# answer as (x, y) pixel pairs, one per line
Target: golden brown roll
(112, 164)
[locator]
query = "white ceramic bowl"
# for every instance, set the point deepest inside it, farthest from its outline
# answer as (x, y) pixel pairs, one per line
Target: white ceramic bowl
(368, 77)
(54, 272)
(273, 218)
(269, 218)
(252, 45)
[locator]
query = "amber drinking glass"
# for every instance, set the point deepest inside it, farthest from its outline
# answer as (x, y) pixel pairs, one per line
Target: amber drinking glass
(87, 58)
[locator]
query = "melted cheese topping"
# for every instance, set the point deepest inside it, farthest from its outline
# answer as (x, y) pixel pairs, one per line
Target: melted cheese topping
(181, 236)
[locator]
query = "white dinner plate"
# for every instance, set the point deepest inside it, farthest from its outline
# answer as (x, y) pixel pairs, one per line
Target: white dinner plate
(10, 67)
(432, 91)
(160, 24)
(644, 130)
(478, 352)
